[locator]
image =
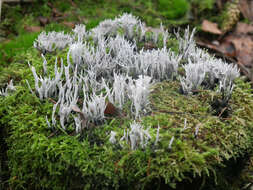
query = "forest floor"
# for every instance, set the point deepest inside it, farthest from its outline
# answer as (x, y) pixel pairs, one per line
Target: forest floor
(224, 27)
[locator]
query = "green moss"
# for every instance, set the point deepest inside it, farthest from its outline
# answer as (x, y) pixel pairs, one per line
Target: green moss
(173, 9)
(204, 9)
(203, 5)
(21, 43)
(64, 161)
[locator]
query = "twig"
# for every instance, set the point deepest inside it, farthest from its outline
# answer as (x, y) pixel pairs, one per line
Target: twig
(52, 134)
(222, 111)
(51, 100)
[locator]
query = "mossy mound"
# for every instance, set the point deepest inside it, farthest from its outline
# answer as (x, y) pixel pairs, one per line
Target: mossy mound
(39, 158)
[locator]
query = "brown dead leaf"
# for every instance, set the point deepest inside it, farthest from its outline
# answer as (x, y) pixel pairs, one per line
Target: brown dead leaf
(243, 28)
(69, 24)
(236, 47)
(110, 109)
(242, 39)
(239, 44)
(228, 49)
(32, 28)
(246, 7)
(244, 48)
(43, 20)
(211, 27)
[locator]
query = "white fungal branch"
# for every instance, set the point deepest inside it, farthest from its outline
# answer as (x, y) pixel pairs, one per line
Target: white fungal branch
(9, 88)
(106, 63)
(78, 124)
(127, 22)
(47, 87)
(137, 137)
(68, 98)
(161, 64)
(194, 76)
(186, 43)
(49, 42)
(80, 32)
(171, 142)
(226, 89)
(138, 92)
(76, 52)
(94, 107)
(113, 137)
(117, 94)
